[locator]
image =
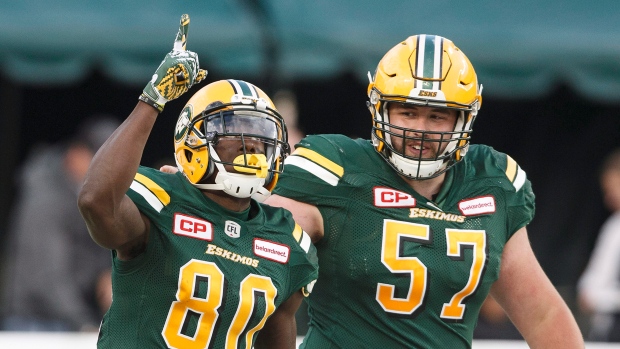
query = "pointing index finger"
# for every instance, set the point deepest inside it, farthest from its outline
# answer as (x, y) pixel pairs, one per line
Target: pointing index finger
(181, 40)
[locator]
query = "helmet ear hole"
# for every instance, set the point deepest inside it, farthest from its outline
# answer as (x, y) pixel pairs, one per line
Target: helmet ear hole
(188, 155)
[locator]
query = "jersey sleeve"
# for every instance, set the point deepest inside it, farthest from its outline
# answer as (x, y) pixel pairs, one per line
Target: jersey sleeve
(519, 198)
(314, 170)
(150, 192)
(304, 263)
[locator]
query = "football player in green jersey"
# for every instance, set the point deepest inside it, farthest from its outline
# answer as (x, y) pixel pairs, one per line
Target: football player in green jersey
(416, 226)
(197, 263)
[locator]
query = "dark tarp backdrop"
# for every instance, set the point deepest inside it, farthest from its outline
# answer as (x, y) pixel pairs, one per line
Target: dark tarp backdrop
(520, 49)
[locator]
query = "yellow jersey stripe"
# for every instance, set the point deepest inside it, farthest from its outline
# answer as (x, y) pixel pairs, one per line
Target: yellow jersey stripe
(159, 192)
(150, 198)
(305, 242)
(313, 168)
(519, 179)
(302, 238)
(511, 168)
(297, 232)
(320, 160)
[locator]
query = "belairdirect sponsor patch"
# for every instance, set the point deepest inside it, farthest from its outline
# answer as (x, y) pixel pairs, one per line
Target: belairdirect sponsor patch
(477, 206)
(271, 250)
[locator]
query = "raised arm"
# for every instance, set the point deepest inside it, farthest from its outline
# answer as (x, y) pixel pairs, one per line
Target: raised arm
(531, 301)
(113, 220)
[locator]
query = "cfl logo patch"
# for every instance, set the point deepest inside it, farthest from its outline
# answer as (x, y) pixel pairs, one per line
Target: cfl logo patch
(232, 229)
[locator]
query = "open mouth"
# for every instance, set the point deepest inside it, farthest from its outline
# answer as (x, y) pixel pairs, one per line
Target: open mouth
(418, 150)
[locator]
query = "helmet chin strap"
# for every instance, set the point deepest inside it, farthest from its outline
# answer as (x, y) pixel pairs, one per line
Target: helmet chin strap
(238, 184)
(417, 168)
(261, 194)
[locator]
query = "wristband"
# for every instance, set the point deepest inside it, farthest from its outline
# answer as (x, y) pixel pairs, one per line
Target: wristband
(144, 98)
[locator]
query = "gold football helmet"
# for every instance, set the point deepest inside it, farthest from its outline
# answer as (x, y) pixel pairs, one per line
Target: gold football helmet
(426, 70)
(231, 109)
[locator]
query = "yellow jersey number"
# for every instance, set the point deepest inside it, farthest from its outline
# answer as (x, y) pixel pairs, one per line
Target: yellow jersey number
(394, 232)
(206, 307)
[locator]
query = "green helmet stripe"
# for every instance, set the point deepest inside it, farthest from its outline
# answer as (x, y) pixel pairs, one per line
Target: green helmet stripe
(428, 60)
(244, 88)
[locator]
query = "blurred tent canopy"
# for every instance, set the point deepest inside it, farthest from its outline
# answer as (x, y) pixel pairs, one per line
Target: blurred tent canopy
(520, 49)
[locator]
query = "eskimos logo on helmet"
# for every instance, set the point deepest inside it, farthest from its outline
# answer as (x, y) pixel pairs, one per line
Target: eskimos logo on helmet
(427, 93)
(182, 123)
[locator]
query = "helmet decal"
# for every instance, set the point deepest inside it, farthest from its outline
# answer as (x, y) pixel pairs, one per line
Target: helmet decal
(182, 123)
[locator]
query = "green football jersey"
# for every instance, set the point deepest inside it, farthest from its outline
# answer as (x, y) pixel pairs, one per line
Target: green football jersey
(398, 270)
(209, 277)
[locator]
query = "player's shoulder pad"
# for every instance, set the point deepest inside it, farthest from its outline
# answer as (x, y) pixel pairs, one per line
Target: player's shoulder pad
(153, 188)
(488, 162)
(328, 142)
(324, 155)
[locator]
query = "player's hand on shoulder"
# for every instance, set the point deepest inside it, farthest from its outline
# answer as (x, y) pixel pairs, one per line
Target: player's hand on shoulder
(169, 169)
(175, 75)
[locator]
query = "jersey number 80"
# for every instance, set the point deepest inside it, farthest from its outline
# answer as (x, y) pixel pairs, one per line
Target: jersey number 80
(206, 307)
